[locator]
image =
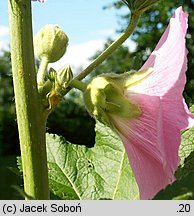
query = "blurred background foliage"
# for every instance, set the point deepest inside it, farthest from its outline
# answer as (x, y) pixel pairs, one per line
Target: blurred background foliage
(70, 119)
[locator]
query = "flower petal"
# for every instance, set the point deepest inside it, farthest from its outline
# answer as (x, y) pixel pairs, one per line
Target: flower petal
(168, 79)
(152, 140)
(167, 59)
(144, 144)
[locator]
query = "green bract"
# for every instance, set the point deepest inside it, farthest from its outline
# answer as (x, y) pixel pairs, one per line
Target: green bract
(106, 95)
(50, 42)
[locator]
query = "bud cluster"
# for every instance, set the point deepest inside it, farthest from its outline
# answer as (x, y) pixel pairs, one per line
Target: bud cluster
(60, 79)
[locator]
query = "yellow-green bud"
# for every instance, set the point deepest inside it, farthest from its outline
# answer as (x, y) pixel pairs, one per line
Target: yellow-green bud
(60, 80)
(52, 75)
(50, 42)
(64, 76)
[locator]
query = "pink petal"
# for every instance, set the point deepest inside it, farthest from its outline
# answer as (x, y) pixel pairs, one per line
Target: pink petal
(144, 144)
(169, 63)
(152, 140)
(167, 59)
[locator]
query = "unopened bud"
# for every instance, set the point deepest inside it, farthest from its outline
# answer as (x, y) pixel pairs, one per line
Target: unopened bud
(52, 75)
(64, 76)
(50, 42)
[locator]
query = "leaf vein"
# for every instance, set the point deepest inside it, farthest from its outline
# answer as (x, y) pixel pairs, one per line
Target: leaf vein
(72, 184)
(119, 176)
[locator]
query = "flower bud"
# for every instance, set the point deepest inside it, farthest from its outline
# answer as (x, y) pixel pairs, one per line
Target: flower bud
(140, 5)
(60, 80)
(64, 76)
(52, 75)
(50, 42)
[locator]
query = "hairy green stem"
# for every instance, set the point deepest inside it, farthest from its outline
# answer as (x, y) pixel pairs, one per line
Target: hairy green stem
(104, 55)
(30, 112)
(116, 44)
(78, 84)
(42, 72)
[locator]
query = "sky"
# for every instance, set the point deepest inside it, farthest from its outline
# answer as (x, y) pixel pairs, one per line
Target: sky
(84, 21)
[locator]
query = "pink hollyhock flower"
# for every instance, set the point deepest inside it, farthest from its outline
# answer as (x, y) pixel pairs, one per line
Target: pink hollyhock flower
(147, 109)
(152, 140)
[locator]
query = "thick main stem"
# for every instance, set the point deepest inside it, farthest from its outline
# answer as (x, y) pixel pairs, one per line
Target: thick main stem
(30, 113)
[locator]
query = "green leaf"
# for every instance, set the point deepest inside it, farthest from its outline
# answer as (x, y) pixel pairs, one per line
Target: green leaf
(187, 167)
(180, 189)
(187, 144)
(186, 151)
(101, 172)
(192, 109)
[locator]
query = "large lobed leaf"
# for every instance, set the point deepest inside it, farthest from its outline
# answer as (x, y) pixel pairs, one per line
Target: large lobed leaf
(101, 172)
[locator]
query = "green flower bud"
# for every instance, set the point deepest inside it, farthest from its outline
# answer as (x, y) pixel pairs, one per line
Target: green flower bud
(50, 42)
(60, 80)
(64, 76)
(52, 75)
(140, 5)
